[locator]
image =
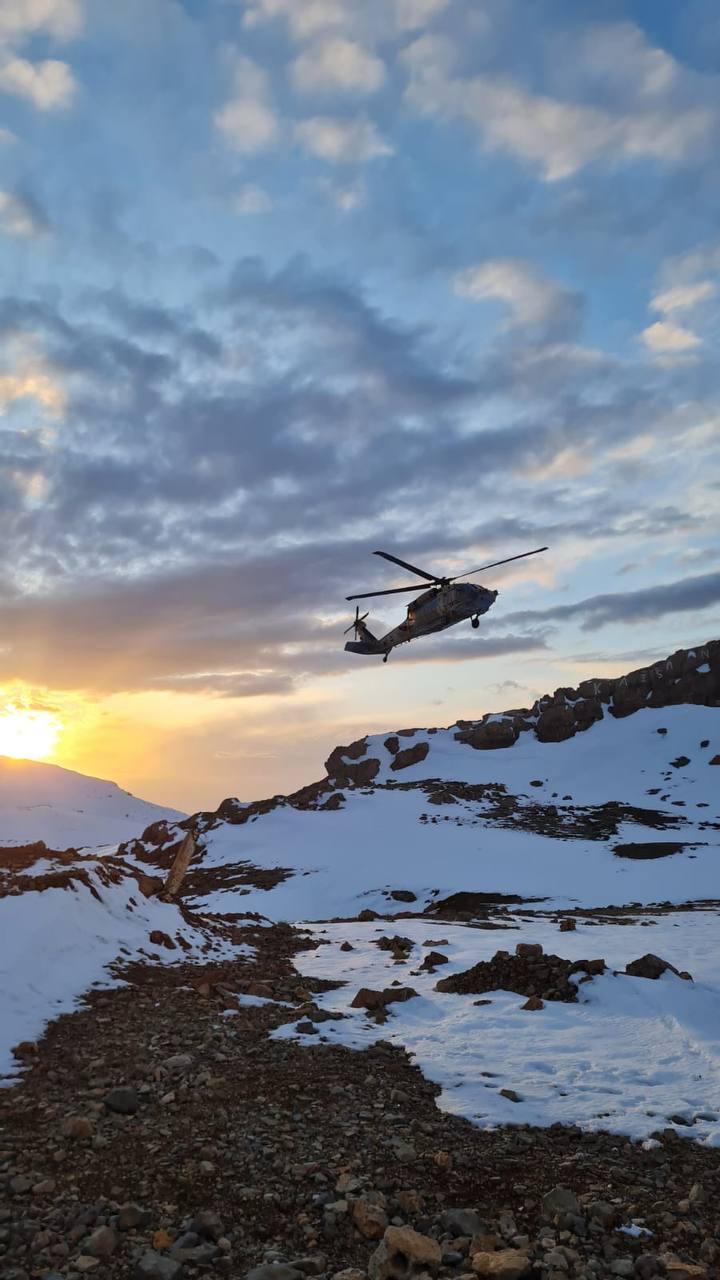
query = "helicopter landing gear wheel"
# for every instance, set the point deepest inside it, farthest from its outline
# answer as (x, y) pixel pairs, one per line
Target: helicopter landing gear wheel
(475, 623)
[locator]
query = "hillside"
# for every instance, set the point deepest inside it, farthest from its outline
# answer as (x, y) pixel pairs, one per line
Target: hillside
(514, 918)
(64, 808)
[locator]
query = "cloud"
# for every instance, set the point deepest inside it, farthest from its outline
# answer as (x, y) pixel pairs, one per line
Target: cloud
(21, 216)
(342, 141)
(21, 18)
(413, 14)
(532, 299)
(48, 85)
(338, 65)
(251, 200)
(559, 135)
(682, 297)
(643, 605)
(247, 121)
(305, 18)
(664, 337)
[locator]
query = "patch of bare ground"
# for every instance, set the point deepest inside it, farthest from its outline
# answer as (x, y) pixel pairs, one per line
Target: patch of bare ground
(158, 1132)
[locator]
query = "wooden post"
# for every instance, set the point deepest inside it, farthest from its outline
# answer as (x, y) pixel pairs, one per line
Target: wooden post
(179, 867)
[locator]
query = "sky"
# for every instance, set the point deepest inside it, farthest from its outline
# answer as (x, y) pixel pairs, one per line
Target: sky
(288, 281)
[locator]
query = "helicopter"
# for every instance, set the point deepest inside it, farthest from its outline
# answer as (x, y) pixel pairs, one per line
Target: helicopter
(441, 605)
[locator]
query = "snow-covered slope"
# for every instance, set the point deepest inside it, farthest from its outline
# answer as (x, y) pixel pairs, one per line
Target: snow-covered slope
(541, 820)
(599, 807)
(67, 809)
(589, 823)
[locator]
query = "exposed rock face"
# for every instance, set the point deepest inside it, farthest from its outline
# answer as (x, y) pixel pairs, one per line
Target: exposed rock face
(344, 772)
(688, 676)
(411, 755)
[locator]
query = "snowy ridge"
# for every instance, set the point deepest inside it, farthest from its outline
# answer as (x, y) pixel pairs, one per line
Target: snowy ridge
(591, 827)
(67, 809)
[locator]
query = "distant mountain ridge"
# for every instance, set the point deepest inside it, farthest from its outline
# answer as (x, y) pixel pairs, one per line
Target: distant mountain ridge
(65, 809)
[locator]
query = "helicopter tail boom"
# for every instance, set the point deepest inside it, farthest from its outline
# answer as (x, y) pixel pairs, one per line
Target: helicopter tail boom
(365, 641)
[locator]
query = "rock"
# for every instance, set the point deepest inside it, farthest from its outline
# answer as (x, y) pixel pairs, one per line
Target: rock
(568, 925)
(370, 1219)
(646, 1266)
(403, 895)
(102, 1243)
(410, 755)
(373, 1000)
(433, 959)
(602, 1212)
(511, 1095)
(392, 744)
(505, 1264)
(131, 1216)
(350, 1273)
(560, 1200)
(179, 1063)
(403, 1253)
(462, 1222)
(153, 1266)
(76, 1127)
(122, 1100)
(346, 946)
(533, 1003)
(650, 966)
(527, 950)
(274, 1271)
(86, 1263)
(208, 1224)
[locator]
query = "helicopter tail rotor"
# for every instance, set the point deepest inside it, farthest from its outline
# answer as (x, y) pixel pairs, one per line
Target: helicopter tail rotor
(355, 625)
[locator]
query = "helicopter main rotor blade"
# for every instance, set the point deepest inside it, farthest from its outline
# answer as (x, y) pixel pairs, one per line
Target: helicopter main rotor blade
(391, 591)
(495, 563)
(431, 577)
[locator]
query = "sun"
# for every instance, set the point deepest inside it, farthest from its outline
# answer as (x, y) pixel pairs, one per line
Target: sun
(27, 734)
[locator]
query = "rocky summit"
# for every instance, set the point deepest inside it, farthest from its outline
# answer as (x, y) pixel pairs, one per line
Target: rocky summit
(449, 1012)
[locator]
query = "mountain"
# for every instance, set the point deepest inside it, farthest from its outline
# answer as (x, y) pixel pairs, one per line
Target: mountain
(515, 919)
(587, 823)
(596, 812)
(63, 808)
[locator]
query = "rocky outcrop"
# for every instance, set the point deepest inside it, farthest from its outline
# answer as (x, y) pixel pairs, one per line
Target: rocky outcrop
(346, 767)
(527, 973)
(411, 755)
(688, 676)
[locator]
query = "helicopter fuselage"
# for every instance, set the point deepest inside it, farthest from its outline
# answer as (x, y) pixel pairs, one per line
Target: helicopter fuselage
(434, 610)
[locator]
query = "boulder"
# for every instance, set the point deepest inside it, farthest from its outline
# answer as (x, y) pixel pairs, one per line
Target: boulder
(403, 1253)
(124, 1101)
(651, 966)
(370, 1219)
(560, 1200)
(410, 755)
(153, 1266)
(503, 1264)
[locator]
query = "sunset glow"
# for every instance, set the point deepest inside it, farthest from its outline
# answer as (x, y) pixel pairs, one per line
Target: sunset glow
(28, 734)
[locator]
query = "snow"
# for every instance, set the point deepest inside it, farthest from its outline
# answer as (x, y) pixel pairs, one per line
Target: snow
(632, 1053)
(629, 1056)
(632, 1056)
(348, 859)
(57, 943)
(67, 809)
